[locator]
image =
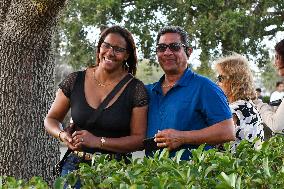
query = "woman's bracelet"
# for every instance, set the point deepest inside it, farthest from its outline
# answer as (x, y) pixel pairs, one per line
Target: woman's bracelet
(103, 141)
(58, 136)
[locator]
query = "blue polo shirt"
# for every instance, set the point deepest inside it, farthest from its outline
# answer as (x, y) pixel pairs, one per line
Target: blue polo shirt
(194, 103)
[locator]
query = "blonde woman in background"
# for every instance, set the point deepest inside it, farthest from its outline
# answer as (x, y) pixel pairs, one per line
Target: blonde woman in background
(235, 79)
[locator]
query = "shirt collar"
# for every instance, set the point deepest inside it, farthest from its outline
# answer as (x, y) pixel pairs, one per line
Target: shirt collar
(183, 81)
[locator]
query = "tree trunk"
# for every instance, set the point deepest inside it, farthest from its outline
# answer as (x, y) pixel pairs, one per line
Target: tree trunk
(27, 87)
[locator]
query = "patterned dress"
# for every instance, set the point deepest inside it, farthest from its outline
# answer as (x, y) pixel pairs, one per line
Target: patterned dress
(249, 124)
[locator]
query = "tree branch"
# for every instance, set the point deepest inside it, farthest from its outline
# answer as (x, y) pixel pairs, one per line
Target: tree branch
(273, 31)
(127, 3)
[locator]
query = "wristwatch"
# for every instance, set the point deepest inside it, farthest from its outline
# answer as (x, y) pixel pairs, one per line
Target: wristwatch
(103, 140)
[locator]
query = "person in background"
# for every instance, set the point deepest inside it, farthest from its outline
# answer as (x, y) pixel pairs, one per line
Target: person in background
(258, 93)
(236, 80)
(121, 126)
(274, 119)
(279, 93)
(185, 109)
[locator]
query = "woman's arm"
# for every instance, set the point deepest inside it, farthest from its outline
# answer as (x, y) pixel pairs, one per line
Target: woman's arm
(130, 143)
(134, 142)
(55, 116)
(274, 120)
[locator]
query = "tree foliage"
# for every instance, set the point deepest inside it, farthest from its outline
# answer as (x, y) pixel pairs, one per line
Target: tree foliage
(269, 77)
(148, 73)
(217, 27)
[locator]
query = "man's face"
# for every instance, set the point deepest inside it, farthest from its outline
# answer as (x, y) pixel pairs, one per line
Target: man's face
(172, 61)
(280, 88)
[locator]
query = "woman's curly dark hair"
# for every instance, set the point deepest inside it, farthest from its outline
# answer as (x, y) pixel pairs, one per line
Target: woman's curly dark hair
(131, 48)
(238, 82)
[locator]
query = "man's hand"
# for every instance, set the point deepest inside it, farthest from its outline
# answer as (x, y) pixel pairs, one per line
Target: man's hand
(169, 138)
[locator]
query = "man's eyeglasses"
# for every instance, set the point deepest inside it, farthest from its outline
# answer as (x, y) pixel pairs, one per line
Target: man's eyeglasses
(116, 49)
(174, 47)
(220, 78)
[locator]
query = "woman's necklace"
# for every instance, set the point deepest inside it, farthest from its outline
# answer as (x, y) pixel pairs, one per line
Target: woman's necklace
(101, 84)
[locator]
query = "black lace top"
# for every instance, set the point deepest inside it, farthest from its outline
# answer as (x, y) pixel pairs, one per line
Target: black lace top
(114, 121)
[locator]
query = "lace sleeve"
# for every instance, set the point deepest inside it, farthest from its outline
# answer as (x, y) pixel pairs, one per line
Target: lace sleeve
(140, 94)
(67, 84)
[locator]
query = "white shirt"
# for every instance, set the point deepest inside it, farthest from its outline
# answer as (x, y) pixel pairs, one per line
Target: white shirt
(276, 96)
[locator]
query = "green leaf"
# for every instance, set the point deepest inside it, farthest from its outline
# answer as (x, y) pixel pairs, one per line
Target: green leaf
(209, 169)
(265, 167)
(59, 183)
(230, 180)
(258, 180)
(188, 172)
(164, 154)
(1, 182)
(178, 155)
(282, 169)
(72, 178)
(238, 183)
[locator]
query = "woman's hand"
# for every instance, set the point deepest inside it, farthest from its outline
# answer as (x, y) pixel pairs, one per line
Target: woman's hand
(169, 138)
(85, 138)
(66, 138)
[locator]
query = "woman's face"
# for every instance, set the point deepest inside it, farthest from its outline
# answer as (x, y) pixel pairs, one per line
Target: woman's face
(221, 80)
(113, 52)
(279, 63)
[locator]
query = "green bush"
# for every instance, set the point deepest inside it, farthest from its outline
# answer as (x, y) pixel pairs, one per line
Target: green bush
(266, 99)
(246, 168)
(12, 183)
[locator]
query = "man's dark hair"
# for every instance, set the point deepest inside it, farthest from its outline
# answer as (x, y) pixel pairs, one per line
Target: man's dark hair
(279, 48)
(278, 83)
(258, 90)
(175, 29)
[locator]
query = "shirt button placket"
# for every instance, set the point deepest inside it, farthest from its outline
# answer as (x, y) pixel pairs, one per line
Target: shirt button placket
(162, 111)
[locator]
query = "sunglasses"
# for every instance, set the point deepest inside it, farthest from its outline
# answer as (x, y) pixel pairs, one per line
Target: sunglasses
(174, 47)
(116, 49)
(220, 78)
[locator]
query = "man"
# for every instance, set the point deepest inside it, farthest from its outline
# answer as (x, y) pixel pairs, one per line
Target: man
(279, 93)
(258, 93)
(185, 109)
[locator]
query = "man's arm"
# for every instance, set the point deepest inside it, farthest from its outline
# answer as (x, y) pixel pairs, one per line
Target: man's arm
(221, 132)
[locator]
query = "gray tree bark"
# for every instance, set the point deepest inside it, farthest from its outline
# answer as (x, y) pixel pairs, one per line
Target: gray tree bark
(27, 87)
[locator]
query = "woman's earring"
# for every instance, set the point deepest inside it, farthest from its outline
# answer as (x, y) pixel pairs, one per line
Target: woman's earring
(126, 64)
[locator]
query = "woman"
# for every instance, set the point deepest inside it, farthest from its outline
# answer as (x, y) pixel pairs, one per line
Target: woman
(274, 120)
(121, 126)
(235, 79)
